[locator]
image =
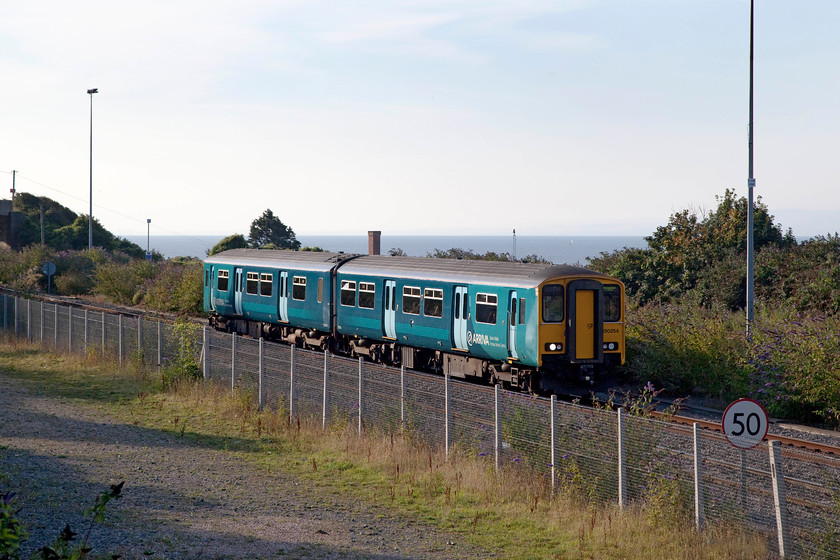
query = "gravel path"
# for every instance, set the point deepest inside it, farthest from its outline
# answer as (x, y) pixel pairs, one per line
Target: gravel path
(181, 500)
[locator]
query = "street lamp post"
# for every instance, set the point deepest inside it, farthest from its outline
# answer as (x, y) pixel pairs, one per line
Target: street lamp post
(148, 229)
(90, 213)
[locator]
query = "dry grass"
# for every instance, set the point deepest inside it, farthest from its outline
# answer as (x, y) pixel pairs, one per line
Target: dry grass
(512, 513)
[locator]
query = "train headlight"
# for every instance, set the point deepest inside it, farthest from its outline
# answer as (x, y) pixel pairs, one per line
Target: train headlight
(610, 346)
(554, 347)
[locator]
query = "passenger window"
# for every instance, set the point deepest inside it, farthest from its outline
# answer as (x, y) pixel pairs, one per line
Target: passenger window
(411, 300)
(612, 303)
(433, 302)
(553, 306)
(348, 293)
(367, 294)
(485, 308)
(252, 283)
(320, 290)
(299, 288)
(521, 311)
(223, 280)
(266, 281)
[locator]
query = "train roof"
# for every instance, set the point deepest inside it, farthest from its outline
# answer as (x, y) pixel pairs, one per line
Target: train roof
(500, 273)
(273, 258)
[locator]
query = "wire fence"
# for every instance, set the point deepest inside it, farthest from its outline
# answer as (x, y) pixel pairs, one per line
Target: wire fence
(676, 472)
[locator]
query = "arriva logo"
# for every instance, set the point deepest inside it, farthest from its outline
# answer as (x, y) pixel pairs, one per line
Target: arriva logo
(475, 338)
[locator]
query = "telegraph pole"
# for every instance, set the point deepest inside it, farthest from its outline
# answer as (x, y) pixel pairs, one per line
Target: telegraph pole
(750, 187)
(13, 189)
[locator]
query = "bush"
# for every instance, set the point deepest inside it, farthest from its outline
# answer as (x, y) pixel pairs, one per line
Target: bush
(177, 287)
(120, 283)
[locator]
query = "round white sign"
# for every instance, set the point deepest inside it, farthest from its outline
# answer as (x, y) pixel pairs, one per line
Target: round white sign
(745, 423)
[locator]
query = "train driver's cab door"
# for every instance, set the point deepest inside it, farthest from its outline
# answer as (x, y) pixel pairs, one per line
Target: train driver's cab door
(283, 296)
(460, 314)
(512, 309)
(389, 319)
(238, 289)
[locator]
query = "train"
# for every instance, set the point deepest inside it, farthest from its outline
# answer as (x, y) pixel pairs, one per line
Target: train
(532, 326)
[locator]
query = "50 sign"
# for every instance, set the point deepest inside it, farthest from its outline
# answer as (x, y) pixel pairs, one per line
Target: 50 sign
(745, 423)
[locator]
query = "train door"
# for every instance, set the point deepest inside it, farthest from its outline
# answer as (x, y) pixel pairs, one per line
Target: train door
(512, 301)
(283, 296)
(390, 318)
(212, 287)
(459, 317)
(238, 288)
(586, 324)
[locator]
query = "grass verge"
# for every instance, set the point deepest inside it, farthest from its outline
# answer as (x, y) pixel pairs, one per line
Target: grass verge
(511, 514)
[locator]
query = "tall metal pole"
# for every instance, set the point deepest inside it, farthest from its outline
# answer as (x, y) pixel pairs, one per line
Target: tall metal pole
(750, 186)
(90, 213)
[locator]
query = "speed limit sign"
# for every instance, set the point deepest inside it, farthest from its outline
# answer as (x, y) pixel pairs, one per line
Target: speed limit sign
(745, 423)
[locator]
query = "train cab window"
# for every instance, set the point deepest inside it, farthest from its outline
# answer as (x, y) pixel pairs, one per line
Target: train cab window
(433, 302)
(485, 308)
(553, 305)
(222, 280)
(612, 303)
(348, 293)
(320, 290)
(252, 283)
(367, 294)
(411, 300)
(522, 311)
(299, 288)
(266, 281)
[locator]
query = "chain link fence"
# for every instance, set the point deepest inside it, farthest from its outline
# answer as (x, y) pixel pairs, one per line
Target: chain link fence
(680, 474)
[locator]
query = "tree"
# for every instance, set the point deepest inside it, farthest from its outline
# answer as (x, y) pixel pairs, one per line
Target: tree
(235, 241)
(269, 230)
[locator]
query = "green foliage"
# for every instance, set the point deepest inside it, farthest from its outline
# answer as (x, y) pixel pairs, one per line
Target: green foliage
(269, 230)
(121, 282)
(397, 252)
(12, 533)
(178, 286)
(186, 365)
(235, 241)
(470, 255)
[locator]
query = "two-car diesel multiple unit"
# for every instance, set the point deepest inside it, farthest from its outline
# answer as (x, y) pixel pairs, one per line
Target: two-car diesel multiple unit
(534, 326)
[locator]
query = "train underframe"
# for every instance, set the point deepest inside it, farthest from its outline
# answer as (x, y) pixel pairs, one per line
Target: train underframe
(556, 378)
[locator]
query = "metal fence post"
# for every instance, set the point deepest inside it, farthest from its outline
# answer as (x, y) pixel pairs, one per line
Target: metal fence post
(446, 415)
(260, 402)
(205, 352)
(699, 511)
(402, 397)
(326, 387)
(361, 391)
(779, 497)
(104, 339)
(86, 330)
(120, 351)
(622, 463)
(292, 385)
(29, 320)
(497, 421)
(70, 330)
(553, 444)
(55, 338)
(233, 363)
(5, 312)
(42, 323)
(140, 339)
(159, 344)
(15, 318)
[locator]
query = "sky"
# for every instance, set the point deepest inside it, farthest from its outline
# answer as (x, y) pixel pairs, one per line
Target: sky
(551, 117)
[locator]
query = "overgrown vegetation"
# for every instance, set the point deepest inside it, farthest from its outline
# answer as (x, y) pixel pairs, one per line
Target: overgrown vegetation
(686, 322)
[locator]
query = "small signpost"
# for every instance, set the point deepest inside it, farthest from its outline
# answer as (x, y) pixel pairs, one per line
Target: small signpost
(49, 270)
(745, 423)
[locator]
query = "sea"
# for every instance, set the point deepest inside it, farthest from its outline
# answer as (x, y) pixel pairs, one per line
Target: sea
(559, 249)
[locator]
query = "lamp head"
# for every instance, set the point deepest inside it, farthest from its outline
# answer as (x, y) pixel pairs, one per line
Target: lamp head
(93, 90)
